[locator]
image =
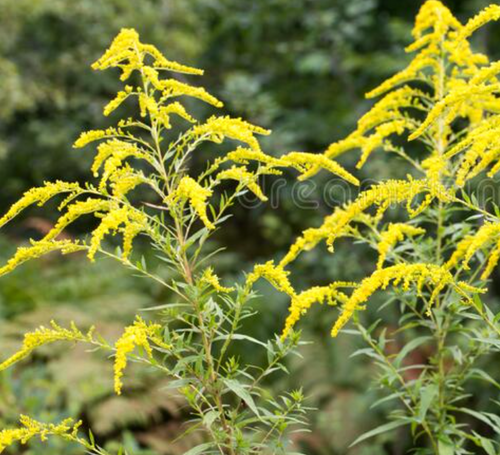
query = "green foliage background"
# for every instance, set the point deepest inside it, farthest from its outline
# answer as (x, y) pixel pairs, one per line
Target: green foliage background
(299, 67)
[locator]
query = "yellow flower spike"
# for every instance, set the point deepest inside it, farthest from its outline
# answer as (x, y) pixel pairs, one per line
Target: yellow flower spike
(216, 129)
(242, 155)
(112, 221)
(418, 274)
(38, 249)
(118, 100)
(212, 279)
(245, 177)
(173, 108)
(381, 196)
(189, 189)
(493, 259)
(338, 223)
(449, 107)
(115, 151)
(312, 237)
(47, 335)
(393, 234)
(124, 180)
(460, 252)
(301, 303)
(148, 105)
(308, 163)
(490, 13)
(39, 196)
(128, 53)
(276, 275)
(390, 107)
(433, 14)
(411, 72)
(172, 88)
(488, 233)
(138, 334)
(31, 428)
(75, 211)
(382, 132)
(95, 135)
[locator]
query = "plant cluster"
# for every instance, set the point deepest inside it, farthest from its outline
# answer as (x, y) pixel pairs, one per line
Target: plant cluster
(437, 243)
(437, 260)
(189, 340)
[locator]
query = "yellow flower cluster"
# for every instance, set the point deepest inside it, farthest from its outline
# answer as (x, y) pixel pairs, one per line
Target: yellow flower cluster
(215, 129)
(116, 102)
(75, 211)
(402, 275)
(112, 153)
(453, 83)
(276, 275)
(129, 54)
(189, 189)
(246, 178)
(244, 155)
(139, 334)
(381, 196)
(124, 180)
(176, 108)
(31, 428)
(486, 235)
(38, 249)
(301, 303)
(490, 13)
(125, 218)
(393, 234)
(172, 88)
(309, 163)
(47, 335)
(39, 196)
(212, 279)
(88, 137)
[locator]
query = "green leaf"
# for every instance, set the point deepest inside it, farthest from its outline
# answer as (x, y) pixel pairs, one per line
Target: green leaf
(209, 418)
(239, 336)
(445, 448)
(427, 394)
(199, 449)
(410, 346)
(379, 430)
(239, 390)
(486, 444)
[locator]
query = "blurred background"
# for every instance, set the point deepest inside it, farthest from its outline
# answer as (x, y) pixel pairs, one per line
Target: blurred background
(298, 67)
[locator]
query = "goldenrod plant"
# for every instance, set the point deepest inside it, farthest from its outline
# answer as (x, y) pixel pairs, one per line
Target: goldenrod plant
(146, 189)
(441, 116)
